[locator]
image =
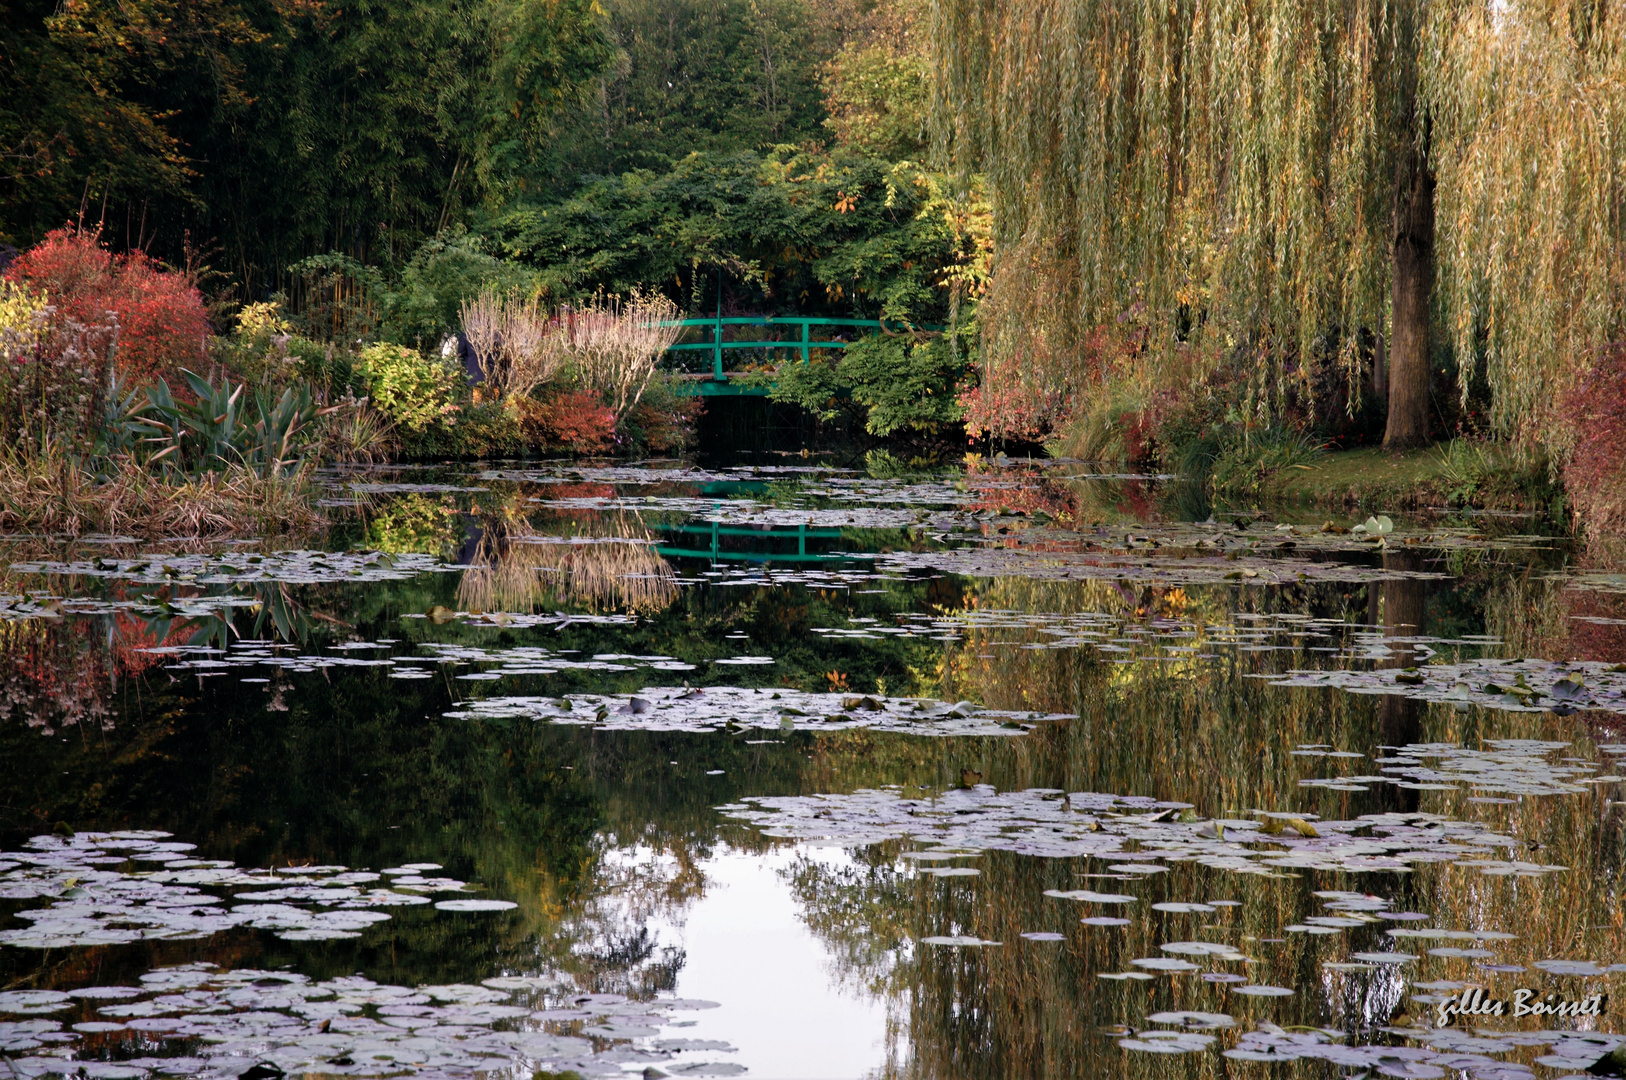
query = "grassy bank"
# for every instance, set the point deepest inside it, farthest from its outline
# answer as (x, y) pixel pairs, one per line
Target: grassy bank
(1456, 474)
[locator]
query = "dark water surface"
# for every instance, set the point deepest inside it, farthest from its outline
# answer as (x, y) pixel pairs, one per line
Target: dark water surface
(785, 770)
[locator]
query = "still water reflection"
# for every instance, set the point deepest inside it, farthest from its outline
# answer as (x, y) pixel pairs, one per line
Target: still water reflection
(804, 772)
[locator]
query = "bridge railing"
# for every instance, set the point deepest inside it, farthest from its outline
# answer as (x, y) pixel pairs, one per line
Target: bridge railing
(717, 552)
(804, 343)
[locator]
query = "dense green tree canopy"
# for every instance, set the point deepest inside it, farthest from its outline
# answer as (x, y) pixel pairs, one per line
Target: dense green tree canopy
(833, 234)
(701, 75)
(277, 130)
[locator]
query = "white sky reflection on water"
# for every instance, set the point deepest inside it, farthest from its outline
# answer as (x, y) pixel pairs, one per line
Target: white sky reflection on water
(782, 1004)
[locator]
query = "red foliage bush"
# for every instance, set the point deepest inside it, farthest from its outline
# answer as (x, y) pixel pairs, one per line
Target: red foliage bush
(163, 323)
(1595, 476)
(577, 420)
(1009, 408)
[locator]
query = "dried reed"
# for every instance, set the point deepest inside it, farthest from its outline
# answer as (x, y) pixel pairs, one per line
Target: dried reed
(612, 345)
(513, 342)
(51, 494)
(516, 569)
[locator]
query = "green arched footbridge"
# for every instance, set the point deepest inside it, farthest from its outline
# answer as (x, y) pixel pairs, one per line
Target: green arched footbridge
(809, 334)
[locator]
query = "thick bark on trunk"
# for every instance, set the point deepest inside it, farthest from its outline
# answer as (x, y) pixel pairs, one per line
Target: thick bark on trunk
(1407, 368)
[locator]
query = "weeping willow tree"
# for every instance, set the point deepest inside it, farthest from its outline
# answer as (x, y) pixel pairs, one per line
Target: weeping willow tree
(1358, 180)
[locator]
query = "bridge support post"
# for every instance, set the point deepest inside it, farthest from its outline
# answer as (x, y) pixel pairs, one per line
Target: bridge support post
(806, 355)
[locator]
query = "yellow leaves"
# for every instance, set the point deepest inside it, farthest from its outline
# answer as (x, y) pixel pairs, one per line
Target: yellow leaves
(23, 315)
(844, 202)
(1275, 826)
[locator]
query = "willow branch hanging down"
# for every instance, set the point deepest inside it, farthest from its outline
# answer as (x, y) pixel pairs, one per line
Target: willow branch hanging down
(1227, 172)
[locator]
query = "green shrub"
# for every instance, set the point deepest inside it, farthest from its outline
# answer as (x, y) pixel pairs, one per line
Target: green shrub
(894, 381)
(263, 350)
(816, 386)
(416, 393)
(904, 382)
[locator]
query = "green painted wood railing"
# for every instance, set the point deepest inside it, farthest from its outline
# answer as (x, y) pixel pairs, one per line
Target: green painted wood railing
(715, 551)
(805, 343)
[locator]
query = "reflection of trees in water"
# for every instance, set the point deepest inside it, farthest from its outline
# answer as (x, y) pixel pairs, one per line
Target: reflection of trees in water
(1209, 734)
(1400, 607)
(64, 672)
(629, 962)
(55, 674)
(607, 562)
(613, 949)
(1546, 617)
(872, 894)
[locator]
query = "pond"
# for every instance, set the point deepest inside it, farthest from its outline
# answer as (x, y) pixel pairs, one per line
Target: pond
(787, 768)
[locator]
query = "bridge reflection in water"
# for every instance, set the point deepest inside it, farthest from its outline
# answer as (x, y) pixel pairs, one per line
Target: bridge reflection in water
(724, 543)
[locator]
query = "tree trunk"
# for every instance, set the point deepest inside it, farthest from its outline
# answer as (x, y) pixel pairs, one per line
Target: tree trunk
(1407, 369)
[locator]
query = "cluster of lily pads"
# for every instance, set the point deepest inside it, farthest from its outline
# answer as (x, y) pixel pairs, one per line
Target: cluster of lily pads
(242, 567)
(533, 660)
(1134, 833)
(523, 620)
(673, 473)
(724, 708)
(198, 1021)
(1509, 767)
(749, 512)
(205, 660)
(519, 660)
(1515, 685)
(1175, 638)
(1440, 1051)
(1057, 563)
(113, 888)
(44, 605)
(835, 575)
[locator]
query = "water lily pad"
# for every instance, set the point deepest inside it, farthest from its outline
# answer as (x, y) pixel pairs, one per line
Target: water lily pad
(475, 905)
(1193, 1019)
(1163, 963)
(1257, 990)
(33, 1002)
(1199, 948)
(1090, 897)
(1167, 1042)
(1582, 968)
